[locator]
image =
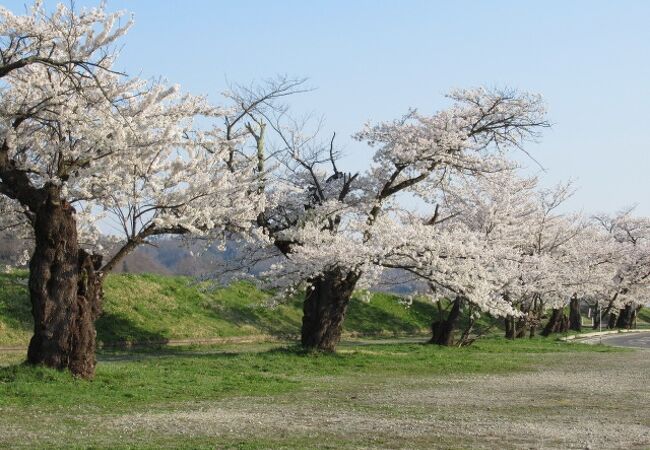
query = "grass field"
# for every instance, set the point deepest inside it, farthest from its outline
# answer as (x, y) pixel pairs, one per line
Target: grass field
(390, 393)
(387, 393)
(266, 395)
(644, 317)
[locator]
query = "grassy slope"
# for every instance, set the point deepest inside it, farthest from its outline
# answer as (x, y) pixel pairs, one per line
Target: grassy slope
(158, 308)
(644, 316)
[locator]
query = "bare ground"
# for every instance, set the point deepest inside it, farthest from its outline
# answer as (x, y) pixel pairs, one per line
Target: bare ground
(581, 400)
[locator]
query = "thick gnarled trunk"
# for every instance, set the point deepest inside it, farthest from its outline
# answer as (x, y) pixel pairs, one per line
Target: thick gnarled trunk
(612, 319)
(442, 331)
(575, 318)
(515, 328)
(324, 309)
(557, 323)
(625, 318)
(65, 293)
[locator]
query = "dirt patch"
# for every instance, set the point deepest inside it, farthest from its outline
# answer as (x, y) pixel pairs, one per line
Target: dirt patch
(599, 401)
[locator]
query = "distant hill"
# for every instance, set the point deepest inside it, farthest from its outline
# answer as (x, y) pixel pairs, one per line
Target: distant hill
(167, 256)
(174, 256)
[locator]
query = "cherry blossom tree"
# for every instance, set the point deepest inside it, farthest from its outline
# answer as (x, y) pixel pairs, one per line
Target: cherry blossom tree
(459, 264)
(15, 232)
(628, 285)
(546, 264)
(470, 250)
(497, 244)
(330, 224)
(81, 142)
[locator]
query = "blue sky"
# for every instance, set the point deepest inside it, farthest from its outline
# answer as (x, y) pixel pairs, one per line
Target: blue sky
(371, 60)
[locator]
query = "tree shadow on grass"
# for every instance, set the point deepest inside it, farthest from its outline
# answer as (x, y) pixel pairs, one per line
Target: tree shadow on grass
(162, 351)
(210, 353)
(117, 331)
(271, 321)
(425, 311)
(363, 318)
(369, 318)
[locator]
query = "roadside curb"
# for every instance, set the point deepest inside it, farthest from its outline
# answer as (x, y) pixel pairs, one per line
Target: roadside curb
(578, 337)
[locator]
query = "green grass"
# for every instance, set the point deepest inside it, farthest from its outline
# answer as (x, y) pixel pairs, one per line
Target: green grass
(128, 380)
(44, 408)
(644, 317)
(154, 308)
(15, 310)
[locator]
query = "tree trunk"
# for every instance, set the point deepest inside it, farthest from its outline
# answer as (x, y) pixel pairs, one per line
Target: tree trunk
(465, 338)
(515, 328)
(442, 331)
(575, 318)
(611, 323)
(326, 303)
(534, 319)
(625, 317)
(637, 310)
(607, 313)
(558, 323)
(65, 293)
(509, 325)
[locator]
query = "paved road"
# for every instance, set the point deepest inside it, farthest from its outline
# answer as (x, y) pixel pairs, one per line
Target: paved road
(636, 340)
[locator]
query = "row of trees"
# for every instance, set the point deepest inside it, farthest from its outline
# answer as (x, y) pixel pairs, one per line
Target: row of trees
(486, 240)
(83, 146)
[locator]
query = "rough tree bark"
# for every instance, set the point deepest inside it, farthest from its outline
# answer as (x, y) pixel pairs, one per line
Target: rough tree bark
(575, 318)
(509, 325)
(625, 317)
(607, 314)
(515, 328)
(324, 309)
(65, 293)
(534, 318)
(442, 331)
(557, 323)
(612, 319)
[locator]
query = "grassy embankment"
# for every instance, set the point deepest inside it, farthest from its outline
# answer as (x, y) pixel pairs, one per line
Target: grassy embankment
(153, 308)
(158, 309)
